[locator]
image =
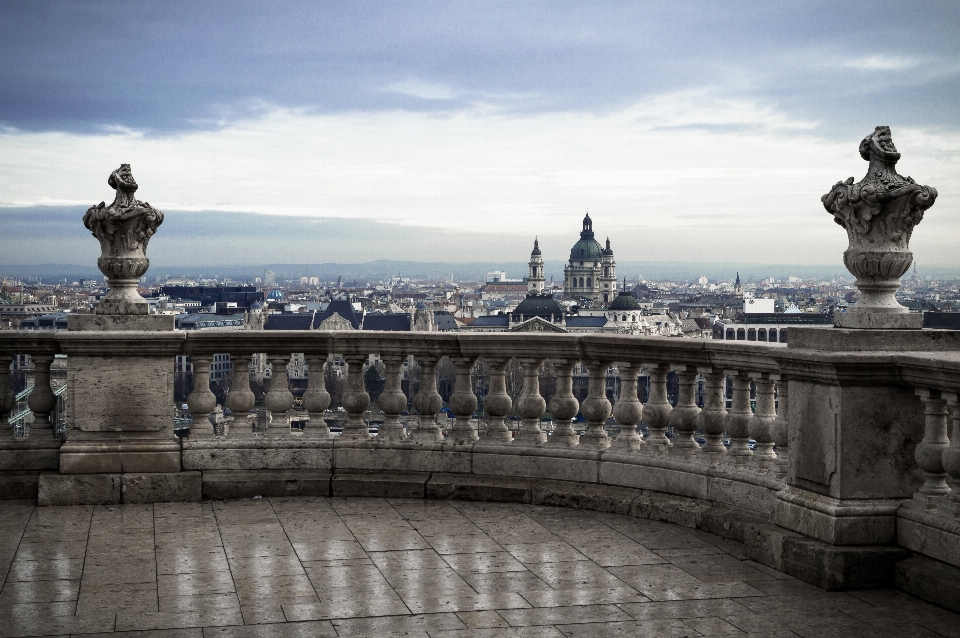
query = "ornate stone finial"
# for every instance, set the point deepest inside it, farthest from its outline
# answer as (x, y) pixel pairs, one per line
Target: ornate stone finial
(123, 228)
(879, 213)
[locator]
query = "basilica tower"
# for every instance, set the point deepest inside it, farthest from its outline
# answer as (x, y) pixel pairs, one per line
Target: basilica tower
(535, 279)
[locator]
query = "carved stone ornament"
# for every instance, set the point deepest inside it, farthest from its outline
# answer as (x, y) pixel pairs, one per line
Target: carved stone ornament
(123, 228)
(879, 213)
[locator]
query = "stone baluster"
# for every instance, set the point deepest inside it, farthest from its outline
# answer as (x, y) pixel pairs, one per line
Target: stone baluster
(428, 401)
(497, 404)
(42, 401)
(779, 429)
(201, 400)
(596, 407)
(712, 418)
(684, 415)
(628, 410)
(279, 399)
(241, 398)
(951, 455)
(657, 409)
(316, 399)
(355, 399)
(7, 398)
(564, 406)
(762, 421)
(463, 402)
(392, 400)
(530, 405)
(739, 417)
(929, 452)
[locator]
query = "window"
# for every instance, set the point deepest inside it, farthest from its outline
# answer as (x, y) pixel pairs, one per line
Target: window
(624, 318)
(581, 282)
(762, 334)
(773, 335)
(730, 334)
(741, 334)
(783, 335)
(752, 334)
(589, 282)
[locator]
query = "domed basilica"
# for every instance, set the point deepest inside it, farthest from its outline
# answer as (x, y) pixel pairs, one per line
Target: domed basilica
(591, 272)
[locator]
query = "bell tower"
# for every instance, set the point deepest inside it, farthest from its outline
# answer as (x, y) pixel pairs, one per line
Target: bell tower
(535, 279)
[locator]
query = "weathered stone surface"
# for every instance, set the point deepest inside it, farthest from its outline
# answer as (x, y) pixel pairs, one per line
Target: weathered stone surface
(79, 489)
(469, 487)
(403, 456)
(93, 456)
(17, 485)
(836, 568)
(250, 483)
(161, 487)
(840, 522)
(537, 462)
(30, 453)
(930, 580)
(617, 500)
(261, 453)
(383, 484)
(639, 474)
(932, 532)
(148, 323)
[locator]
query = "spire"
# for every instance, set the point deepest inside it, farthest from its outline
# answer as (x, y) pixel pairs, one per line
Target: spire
(736, 284)
(536, 248)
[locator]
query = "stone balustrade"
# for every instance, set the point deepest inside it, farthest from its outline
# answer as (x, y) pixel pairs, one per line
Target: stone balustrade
(833, 446)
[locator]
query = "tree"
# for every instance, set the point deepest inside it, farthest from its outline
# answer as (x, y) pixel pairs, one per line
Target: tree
(374, 380)
(446, 378)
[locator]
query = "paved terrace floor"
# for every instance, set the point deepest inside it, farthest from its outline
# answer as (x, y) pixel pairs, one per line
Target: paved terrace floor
(282, 567)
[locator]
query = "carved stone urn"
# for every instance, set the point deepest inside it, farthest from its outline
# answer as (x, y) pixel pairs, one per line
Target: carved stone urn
(123, 228)
(879, 213)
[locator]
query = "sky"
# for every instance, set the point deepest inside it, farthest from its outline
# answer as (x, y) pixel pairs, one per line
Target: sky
(305, 132)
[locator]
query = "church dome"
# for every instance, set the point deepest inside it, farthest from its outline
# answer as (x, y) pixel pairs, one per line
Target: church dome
(536, 248)
(624, 301)
(544, 306)
(587, 248)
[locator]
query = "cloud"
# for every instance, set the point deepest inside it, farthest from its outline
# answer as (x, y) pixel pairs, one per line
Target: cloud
(422, 90)
(882, 62)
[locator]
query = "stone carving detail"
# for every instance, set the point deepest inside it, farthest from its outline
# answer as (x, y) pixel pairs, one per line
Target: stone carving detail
(124, 228)
(879, 213)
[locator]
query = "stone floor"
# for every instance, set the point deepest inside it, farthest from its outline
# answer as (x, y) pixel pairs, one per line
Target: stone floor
(282, 567)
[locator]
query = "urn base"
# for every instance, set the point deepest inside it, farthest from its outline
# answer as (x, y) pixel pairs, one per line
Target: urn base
(879, 320)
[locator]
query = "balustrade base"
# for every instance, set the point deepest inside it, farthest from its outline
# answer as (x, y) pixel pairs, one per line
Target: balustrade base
(934, 532)
(835, 521)
(114, 488)
(145, 322)
(878, 320)
(17, 485)
(250, 483)
(929, 580)
(110, 456)
(30, 453)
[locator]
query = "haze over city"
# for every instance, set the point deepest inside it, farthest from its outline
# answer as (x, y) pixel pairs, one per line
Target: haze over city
(303, 133)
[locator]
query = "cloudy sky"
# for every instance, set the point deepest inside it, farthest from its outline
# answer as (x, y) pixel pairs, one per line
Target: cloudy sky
(306, 132)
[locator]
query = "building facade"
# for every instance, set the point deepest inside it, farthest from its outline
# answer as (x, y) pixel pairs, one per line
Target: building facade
(591, 273)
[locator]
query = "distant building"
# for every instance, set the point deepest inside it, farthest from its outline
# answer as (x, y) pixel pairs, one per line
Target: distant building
(243, 296)
(591, 271)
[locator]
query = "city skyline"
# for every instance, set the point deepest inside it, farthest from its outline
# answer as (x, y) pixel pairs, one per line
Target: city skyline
(349, 134)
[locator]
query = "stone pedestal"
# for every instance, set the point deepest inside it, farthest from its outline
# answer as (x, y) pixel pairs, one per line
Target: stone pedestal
(852, 450)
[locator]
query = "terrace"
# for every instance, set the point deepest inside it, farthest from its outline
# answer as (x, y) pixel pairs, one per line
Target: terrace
(843, 475)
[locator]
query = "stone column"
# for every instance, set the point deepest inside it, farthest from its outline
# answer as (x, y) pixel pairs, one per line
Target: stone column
(656, 411)
(564, 406)
(712, 418)
(201, 400)
(929, 452)
(42, 401)
(428, 401)
(628, 411)
(762, 421)
(463, 402)
(497, 403)
(6, 397)
(739, 417)
(530, 405)
(241, 398)
(355, 399)
(780, 428)
(316, 399)
(951, 456)
(684, 415)
(392, 400)
(279, 399)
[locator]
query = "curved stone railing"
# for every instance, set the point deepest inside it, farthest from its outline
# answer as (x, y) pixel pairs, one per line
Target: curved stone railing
(860, 457)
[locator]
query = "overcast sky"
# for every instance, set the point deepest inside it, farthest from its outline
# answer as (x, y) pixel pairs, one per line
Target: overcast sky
(700, 131)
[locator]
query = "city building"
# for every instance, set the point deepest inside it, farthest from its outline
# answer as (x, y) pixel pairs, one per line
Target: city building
(590, 274)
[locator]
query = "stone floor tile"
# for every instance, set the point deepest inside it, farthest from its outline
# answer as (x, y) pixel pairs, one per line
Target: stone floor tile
(191, 632)
(481, 619)
(59, 569)
(347, 594)
(619, 554)
(401, 624)
(167, 620)
(345, 562)
(576, 574)
(701, 591)
(329, 550)
(33, 610)
(551, 552)
(306, 629)
(687, 609)
(405, 560)
(195, 584)
(265, 611)
(191, 560)
(384, 540)
(355, 607)
(260, 566)
(48, 625)
(325, 578)
(186, 536)
(519, 582)
(433, 603)
(443, 579)
(39, 591)
(686, 551)
(583, 596)
(91, 603)
(258, 547)
(482, 563)
(711, 626)
(272, 587)
(501, 632)
(199, 603)
(115, 575)
(564, 615)
(311, 504)
(463, 544)
(51, 551)
(663, 628)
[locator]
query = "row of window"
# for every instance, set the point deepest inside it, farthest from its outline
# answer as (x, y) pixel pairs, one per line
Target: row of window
(756, 334)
